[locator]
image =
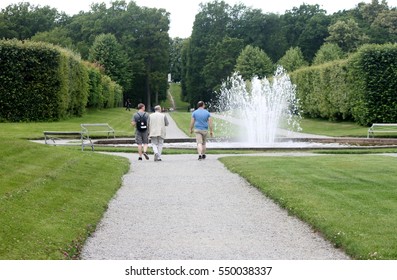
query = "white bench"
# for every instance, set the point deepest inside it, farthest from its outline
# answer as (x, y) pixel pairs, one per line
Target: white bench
(97, 128)
(387, 128)
(55, 137)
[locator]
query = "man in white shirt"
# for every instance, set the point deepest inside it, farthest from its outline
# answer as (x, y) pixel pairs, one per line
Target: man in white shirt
(157, 123)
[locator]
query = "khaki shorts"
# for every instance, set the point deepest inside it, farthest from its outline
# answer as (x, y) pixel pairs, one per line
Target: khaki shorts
(201, 136)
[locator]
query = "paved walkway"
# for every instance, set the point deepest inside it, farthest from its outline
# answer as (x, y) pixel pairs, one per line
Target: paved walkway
(164, 210)
(182, 208)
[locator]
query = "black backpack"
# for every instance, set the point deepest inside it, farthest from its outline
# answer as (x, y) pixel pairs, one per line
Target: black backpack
(141, 124)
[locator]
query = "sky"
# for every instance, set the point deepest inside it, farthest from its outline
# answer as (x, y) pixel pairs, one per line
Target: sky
(182, 12)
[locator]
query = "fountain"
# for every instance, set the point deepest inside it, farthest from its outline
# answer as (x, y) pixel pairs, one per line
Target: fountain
(267, 115)
(259, 107)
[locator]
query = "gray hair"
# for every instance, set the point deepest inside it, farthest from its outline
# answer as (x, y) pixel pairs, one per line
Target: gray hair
(157, 108)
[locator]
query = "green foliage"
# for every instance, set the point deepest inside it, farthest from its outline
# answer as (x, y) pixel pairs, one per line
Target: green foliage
(210, 27)
(31, 82)
(95, 98)
(107, 52)
(176, 59)
(219, 66)
(323, 90)
(374, 81)
(328, 52)
(23, 20)
(43, 82)
(305, 27)
(293, 60)
(360, 88)
(57, 36)
(346, 34)
(252, 62)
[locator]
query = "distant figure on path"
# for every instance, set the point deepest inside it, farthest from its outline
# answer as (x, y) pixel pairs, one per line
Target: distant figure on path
(201, 121)
(157, 123)
(128, 105)
(141, 120)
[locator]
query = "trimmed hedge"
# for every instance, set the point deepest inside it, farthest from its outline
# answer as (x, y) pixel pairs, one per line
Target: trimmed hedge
(374, 84)
(42, 82)
(362, 88)
(104, 93)
(323, 90)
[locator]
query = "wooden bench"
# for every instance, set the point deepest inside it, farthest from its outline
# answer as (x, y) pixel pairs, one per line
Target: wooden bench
(89, 129)
(56, 136)
(382, 128)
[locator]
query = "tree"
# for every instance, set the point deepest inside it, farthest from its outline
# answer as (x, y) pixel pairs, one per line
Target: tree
(184, 69)
(346, 34)
(57, 36)
(108, 53)
(175, 70)
(152, 48)
(384, 27)
(292, 60)
(328, 52)
(370, 11)
(220, 64)
(260, 30)
(252, 62)
(209, 27)
(22, 21)
(142, 34)
(296, 20)
(313, 35)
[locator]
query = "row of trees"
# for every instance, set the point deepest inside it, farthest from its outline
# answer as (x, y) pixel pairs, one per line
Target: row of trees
(229, 38)
(133, 46)
(131, 43)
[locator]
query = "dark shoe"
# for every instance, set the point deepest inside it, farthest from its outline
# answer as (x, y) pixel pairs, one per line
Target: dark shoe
(159, 159)
(203, 156)
(139, 158)
(145, 155)
(200, 157)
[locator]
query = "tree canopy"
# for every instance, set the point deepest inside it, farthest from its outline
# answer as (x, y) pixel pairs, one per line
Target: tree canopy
(202, 61)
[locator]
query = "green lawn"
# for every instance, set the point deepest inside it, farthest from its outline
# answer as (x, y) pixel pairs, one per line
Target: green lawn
(334, 129)
(53, 197)
(350, 199)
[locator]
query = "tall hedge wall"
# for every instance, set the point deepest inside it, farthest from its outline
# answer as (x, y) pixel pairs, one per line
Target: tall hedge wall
(104, 93)
(362, 88)
(373, 78)
(41, 82)
(322, 90)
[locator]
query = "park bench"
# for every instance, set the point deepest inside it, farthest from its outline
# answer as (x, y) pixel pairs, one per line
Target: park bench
(387, 128)
(85, 135)
(90, 129)
(55, 137)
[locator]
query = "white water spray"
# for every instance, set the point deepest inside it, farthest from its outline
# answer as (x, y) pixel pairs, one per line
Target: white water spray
(260, 107)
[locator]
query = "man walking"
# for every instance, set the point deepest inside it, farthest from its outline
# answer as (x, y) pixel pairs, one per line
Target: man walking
(157, 123)
(201, 121)
(140, 120)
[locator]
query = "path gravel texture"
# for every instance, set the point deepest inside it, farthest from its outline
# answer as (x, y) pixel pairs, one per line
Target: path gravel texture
(182, 209)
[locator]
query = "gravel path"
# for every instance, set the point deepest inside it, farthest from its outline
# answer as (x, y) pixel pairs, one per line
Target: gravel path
(182, 208)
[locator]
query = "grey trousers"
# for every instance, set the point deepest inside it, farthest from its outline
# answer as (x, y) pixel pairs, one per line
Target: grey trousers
(157, 145)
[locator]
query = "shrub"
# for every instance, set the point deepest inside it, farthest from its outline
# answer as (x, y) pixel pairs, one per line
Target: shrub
(373, 77)
(361, 87)
(39, 81)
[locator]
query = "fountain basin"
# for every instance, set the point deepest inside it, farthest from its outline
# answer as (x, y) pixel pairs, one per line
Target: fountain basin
(282, 143)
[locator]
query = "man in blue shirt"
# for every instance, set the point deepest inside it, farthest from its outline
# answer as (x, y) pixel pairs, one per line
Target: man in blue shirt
(201, 121)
